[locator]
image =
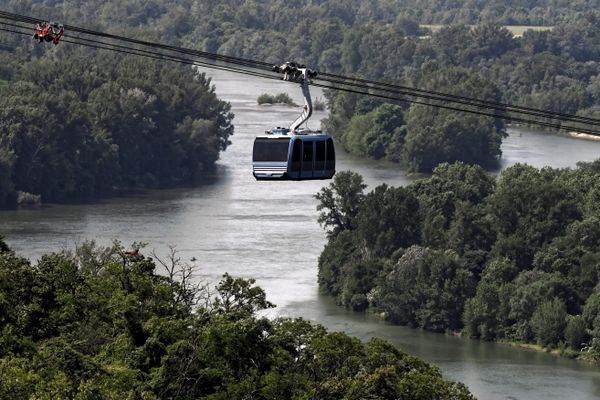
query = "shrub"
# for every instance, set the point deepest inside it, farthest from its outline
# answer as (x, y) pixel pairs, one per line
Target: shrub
(548, 322)
(281, 98)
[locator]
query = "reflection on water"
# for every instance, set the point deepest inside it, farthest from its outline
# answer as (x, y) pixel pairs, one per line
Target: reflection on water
(268, 230)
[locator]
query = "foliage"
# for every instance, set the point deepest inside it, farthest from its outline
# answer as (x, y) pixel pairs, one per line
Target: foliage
(426, 288)
(97, 323)
(426, 136)
(576, 333)
(341, 200)
(80, 129)
(549, 70)
(281, 98)
(512, 259)
(473, 56)
(373, 133)
(548, 322)
(319, 104)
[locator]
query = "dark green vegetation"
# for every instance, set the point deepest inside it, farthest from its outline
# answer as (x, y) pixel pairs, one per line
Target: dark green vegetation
(517, 259)
(75, 124)
(419, 136)
(250, 27)
(556, 70)
(97, 324)
(281, 98)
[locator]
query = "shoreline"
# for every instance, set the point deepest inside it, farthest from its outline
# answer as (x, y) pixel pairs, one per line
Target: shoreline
(564, 352)
(557, 352)
(584, 136)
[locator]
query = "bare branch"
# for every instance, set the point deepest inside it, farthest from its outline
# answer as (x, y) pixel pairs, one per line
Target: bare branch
(187, 290)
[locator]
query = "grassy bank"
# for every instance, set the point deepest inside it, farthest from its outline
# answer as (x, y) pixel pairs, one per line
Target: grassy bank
(560, 351)
(516, 30)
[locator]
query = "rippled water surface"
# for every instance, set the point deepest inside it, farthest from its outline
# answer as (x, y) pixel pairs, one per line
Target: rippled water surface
(268, 230)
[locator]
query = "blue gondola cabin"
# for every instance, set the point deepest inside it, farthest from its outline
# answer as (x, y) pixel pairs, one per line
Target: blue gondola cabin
(281, 155)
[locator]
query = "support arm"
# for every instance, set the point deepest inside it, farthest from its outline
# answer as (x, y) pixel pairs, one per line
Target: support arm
(307, 110)
(293, 72)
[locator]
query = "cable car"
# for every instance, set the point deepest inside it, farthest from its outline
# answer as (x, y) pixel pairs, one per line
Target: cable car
(282, 155)
(293, 153)
(49, 32)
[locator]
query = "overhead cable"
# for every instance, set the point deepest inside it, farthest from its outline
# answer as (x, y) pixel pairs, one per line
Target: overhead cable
(330, 81)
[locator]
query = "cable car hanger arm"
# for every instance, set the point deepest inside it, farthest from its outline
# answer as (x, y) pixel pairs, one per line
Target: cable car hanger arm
(307, 109)
(293, 72)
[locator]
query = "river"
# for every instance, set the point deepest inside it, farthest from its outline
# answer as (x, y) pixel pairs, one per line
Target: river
(269, 231)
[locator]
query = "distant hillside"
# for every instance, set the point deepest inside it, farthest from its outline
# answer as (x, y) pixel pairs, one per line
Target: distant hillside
(186, 16)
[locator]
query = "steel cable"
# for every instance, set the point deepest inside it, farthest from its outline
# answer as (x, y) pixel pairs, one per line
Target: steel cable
(339, 82)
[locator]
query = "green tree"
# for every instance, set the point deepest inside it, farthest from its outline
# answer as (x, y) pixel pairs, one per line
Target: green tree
(435, 137)
(388, 220)
(339, 254)
(376, 133)
(490, 41)
(528, 292)
(239, 297)
(530, 208)
(548, 322)
(96, 323)
(426, 288)
(103, 121)
(575, 332)
(340, 201)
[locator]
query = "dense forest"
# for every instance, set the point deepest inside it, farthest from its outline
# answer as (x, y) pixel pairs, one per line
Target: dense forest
(556, 70)
(419, 136)
(515, 259)
(76, 124)
(184, 16)
(97, 323)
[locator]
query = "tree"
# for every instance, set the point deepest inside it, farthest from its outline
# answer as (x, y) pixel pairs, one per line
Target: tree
(238, 297)
(450, 201)
(337, 256)
(7, 190)
(548, 322)
(531, 207)
(426, 288)
(490, 41)
(96, 323)
(339, 203)
(437, 137)
(458, 251)
(528, 292)
(388, 220)
(105, 122)
(575, 332)
(376, 133)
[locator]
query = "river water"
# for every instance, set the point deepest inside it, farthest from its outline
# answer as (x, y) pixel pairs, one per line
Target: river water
(268, 230)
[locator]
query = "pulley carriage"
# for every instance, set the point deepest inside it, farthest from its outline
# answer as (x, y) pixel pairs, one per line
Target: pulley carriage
(48, 32)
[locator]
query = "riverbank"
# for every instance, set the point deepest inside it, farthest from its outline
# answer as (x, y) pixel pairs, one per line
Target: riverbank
(516, 30)
(571, 134)
(563, 351)
(585, 136)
